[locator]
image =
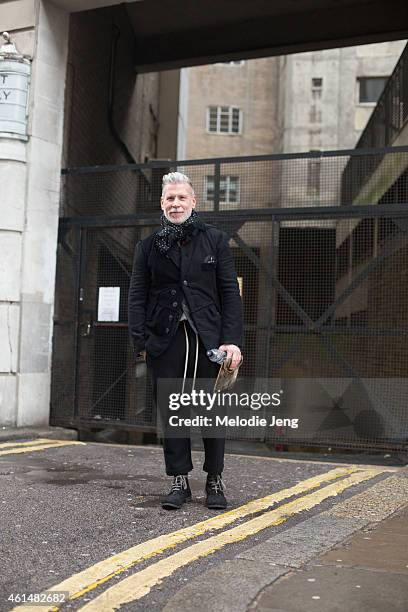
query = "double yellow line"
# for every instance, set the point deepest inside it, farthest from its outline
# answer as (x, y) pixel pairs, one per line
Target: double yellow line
(140, 583)
(15, 448)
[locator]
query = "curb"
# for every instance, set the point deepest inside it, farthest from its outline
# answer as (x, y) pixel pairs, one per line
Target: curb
(30, 433)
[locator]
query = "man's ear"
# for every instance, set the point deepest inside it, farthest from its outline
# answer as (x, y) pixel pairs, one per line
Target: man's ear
(161, 202)
(194, 202)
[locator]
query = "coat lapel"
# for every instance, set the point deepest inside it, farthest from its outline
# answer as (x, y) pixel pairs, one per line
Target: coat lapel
(174, 255)
(189, 249)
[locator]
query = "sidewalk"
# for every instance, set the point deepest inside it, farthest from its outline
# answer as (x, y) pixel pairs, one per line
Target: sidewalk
(352, 557)
(366, 573)
(31, 433)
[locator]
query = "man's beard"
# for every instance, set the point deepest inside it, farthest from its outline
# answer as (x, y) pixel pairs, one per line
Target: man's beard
(177, 221)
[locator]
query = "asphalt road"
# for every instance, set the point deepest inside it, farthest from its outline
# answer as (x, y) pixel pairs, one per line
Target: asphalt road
(85, 519)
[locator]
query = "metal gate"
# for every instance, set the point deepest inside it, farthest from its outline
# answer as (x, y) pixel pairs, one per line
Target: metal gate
(321, 252)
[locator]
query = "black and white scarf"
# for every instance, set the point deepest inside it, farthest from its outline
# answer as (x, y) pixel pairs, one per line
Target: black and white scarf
(176, 232)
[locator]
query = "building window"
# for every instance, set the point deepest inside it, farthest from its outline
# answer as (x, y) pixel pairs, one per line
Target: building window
(370, 89)
(229, 189)
(224, 119)
(317, 87)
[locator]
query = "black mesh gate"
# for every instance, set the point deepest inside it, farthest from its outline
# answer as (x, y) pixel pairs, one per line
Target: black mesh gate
(321, 252)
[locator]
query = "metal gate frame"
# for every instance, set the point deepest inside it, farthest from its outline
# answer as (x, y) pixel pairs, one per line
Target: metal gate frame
(232, 221)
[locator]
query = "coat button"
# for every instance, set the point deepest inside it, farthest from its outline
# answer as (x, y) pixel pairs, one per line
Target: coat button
(175, 304)
(167, 330)
(173, 292)
(185, 282)
(171, 317)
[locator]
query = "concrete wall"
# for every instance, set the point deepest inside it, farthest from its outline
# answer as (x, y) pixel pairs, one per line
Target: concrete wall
(94, 38)
(182, 127)
(169, 87)
(330, 119)
(335, 119)
(30, 178)
(282, 114)
(252, 86)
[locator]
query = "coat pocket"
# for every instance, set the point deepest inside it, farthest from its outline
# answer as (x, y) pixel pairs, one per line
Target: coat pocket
(208, 267)
(209, 263)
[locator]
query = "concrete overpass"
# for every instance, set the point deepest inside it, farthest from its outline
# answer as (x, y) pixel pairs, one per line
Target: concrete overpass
(175, 33)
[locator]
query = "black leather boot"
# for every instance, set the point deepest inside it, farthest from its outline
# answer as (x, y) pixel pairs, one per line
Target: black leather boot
(179, 493)
(214, 489)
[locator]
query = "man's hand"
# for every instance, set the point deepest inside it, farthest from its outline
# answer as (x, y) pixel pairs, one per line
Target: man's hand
(232, 351)
(141, 356)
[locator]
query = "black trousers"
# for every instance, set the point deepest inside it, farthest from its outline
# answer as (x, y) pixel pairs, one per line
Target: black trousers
(171, 364)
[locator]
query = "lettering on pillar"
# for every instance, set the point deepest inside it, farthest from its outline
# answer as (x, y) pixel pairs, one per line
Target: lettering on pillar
(13, 98)
(4, 95)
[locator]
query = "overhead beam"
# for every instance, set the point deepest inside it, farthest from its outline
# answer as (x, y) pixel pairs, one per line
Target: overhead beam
(185, 43)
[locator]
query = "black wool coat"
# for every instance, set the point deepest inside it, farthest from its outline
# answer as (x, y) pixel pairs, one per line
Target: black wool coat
(201, 271)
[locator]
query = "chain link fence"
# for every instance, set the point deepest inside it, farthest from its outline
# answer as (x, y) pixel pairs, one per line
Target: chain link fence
(320, 247)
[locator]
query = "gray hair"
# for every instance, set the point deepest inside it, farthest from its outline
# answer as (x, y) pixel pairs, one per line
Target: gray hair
(173, 178)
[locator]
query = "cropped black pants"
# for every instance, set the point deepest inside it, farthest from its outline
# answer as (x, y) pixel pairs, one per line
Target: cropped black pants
(171, 364)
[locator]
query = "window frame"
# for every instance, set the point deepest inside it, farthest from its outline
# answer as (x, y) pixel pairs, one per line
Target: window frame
(358, 89)
(230, 120)
(227, 178)
(316, 90)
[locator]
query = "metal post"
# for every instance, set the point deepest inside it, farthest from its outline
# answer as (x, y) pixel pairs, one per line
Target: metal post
(217, 178)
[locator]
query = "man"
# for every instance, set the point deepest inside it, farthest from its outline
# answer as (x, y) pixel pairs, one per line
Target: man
(184, 300)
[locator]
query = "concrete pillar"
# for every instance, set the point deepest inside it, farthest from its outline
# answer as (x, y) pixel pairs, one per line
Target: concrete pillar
(30, 183)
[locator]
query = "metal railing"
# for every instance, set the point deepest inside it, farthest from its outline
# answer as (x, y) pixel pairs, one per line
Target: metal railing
(391, 112)
(385, 124)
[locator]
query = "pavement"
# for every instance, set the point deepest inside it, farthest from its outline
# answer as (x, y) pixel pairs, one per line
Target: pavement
(368, 571)
(83, 520)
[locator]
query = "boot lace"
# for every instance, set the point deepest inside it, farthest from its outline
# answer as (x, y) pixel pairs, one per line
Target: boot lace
(216, 483)
(179, 483)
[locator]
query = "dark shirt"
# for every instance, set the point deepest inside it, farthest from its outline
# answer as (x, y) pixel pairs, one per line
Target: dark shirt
(185, 315)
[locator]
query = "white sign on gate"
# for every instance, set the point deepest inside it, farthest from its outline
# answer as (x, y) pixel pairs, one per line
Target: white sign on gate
(108, 303)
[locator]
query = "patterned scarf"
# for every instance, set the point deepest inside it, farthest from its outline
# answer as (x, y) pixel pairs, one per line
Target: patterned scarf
(174, 232)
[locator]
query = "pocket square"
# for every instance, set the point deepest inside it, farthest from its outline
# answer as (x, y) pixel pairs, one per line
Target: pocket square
(210, 259)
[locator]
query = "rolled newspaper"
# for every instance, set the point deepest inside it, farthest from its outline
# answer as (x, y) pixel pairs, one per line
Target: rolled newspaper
(226, 376)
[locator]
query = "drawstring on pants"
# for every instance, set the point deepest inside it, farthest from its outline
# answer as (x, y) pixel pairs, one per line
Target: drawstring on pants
(196, 360)
(187, 355)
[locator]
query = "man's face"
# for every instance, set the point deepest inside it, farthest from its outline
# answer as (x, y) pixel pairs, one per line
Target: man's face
(177, 202)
